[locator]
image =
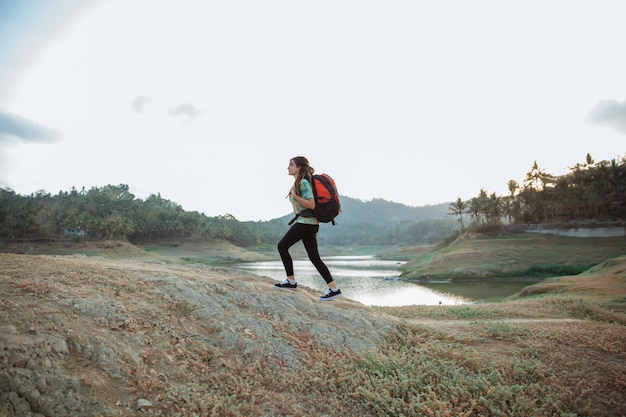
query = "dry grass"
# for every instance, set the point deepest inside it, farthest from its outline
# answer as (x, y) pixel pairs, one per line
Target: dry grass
(561, 353)
(566, 370)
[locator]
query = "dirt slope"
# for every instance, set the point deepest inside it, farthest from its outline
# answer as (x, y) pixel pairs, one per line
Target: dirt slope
(80, 335)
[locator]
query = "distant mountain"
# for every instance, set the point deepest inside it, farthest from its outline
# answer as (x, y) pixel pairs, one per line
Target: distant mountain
(381, 222)
(378, 210)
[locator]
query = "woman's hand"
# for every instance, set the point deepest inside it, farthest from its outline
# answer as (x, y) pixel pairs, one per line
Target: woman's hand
(310, 203)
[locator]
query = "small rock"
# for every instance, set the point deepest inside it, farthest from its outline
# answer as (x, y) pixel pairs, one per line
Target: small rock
(12, 330)
(142, 403)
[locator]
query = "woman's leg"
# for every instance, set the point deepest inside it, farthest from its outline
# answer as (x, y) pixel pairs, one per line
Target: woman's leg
(310, 244)
(293, 235)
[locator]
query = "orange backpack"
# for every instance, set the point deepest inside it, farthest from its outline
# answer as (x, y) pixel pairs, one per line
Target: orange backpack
(327, 205)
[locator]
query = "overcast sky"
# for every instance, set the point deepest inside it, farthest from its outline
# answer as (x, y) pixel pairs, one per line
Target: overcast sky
(205, 102)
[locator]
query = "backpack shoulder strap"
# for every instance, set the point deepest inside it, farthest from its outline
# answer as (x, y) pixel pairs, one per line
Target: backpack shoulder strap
(308, 212)
(312, 181)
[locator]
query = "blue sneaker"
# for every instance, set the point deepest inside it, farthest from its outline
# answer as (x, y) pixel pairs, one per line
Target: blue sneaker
(330, 295)
(286, 285)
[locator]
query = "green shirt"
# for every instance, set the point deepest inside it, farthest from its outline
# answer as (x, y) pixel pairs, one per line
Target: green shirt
(306, 191)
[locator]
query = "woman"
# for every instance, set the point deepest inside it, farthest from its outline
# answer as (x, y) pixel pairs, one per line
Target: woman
(305, 228)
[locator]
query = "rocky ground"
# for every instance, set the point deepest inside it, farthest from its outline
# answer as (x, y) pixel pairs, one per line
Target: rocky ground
(78, 334)
(94, 336)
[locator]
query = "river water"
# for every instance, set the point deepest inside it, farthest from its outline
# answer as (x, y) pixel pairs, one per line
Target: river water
(373, 281)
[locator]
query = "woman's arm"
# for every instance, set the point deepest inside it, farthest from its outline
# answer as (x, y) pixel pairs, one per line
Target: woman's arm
(306, 203)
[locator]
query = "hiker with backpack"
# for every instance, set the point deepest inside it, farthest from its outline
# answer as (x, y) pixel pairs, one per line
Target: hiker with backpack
(305, 225)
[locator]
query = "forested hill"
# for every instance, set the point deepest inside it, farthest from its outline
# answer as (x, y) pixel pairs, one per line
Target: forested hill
(383, 211)
(380, 222)
(378, 210)
(113, 212)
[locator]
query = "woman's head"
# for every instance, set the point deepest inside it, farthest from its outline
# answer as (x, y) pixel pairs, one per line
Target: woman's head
(299, 167)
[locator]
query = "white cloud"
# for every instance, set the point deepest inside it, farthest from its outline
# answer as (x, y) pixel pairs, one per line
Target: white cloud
(610, 113)
(188, 112)
(13, 126)
(139, 103)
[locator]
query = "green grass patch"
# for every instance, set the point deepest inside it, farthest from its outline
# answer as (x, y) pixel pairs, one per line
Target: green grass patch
(555, 270)
(511, 255)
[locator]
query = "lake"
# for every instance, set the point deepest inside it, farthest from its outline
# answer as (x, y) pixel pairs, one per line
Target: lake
(373, 281)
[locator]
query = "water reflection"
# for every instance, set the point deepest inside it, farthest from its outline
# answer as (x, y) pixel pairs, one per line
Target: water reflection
(364, 279)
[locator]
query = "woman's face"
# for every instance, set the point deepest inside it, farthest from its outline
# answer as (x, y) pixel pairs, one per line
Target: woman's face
(293, 168)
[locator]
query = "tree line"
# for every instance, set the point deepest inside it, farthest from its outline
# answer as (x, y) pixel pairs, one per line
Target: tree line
(589, 191)
(111, 212)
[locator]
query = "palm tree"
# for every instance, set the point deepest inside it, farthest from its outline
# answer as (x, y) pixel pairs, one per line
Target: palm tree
(493, 208)
(601, 188)
(474, 209)
(457, 209)
(538, 178)
(484, 205)
(512, 205)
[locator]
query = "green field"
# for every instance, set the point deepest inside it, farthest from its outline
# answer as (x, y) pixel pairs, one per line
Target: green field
(510, 255)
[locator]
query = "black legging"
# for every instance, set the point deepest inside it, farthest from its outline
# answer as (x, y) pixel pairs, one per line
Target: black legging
(306, 233)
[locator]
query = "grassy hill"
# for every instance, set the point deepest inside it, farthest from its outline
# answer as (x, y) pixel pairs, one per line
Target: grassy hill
(511, 254)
